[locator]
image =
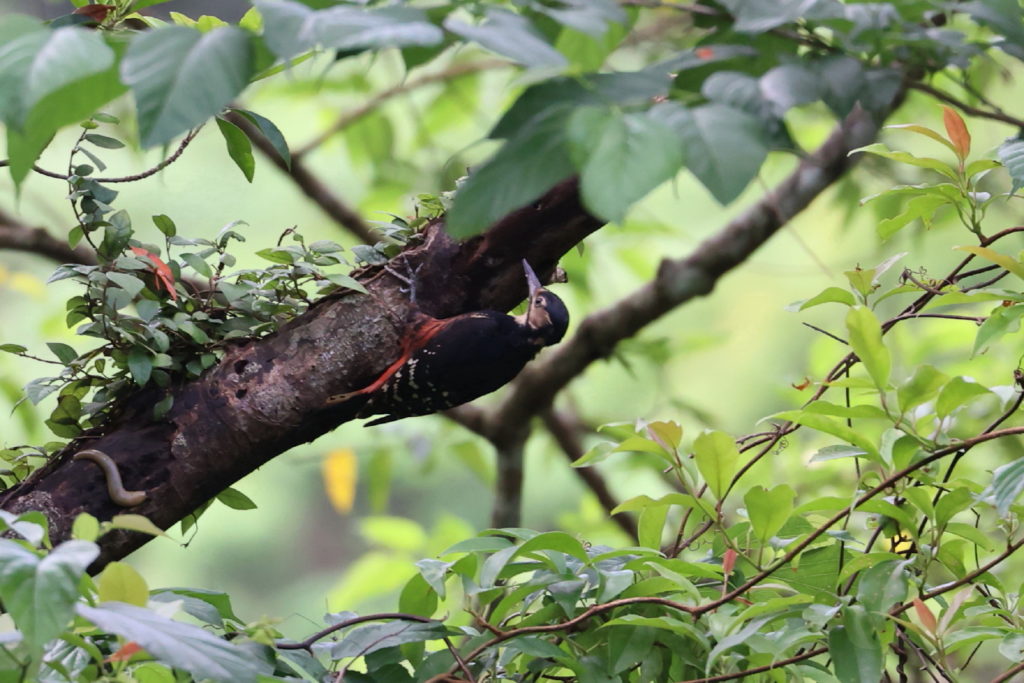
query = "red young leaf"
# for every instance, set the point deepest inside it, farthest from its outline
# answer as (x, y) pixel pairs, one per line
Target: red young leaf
(125, 653)
(705, 52)
(161, 270)
(96, 12)
(728, 561)
(957, 131)
(925, 615)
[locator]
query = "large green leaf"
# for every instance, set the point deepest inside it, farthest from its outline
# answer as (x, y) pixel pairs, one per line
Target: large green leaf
(1011, 153)
(1007, 483)
(40, 593)
(353, 28)
(563, 93)
(758, 16)
(68, 55)
(854, 663)
(291, 28)
(181, 77)
(768, 510)
(183, 646)
(723, 146)
(717, 457)
(866, 339)
(511, 35)
(621, 157)
(525, 168)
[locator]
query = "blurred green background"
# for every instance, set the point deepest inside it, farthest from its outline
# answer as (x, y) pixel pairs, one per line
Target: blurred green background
(724, 361)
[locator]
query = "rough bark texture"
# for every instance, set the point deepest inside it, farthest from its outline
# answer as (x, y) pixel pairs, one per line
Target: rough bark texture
(267, 395)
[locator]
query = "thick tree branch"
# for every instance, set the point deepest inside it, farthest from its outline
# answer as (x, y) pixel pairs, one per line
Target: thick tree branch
(268, 395)
(680, 280)
(17, 235)
(312, 186)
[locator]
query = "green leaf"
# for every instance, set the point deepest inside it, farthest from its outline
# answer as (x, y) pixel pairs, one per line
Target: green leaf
(956, 393)
(40, 593)
(271, 132)
(65, 354)
(537, 157)
(922, 386)
(853, 662)
(196, 262)
(368, 639)
(828, 425)
(1007, 483)
(1011, 153)
(621, 157)
(865, 336)
(235, 499)
(66, 91)
(127, 282)
(768, 510)
(119, 581)
(181, 77)
(884, 585)
(85, 527)
(723, 146)
(925, 131)
(881, 150)
(165, 225)
(140, 364)
(919, 208)
(104, 141)
(183, 646)
(827, 295)
(134, 522)
(355, 28)
(239, 147)
(511, 35)
(59, 59)
(13, 348)
(717, 457)
(1001, 321)
(1011, 264)
(758, 17)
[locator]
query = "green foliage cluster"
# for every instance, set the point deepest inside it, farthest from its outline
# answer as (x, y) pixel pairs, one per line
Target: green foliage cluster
(723, 580)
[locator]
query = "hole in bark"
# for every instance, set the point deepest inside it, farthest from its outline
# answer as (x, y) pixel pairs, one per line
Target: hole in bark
(241, 393)
(240, 366)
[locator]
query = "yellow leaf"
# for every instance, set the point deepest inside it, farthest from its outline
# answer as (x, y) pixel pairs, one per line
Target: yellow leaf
(957, 130)
(341, 471)
(118, 581)
(1011, 264)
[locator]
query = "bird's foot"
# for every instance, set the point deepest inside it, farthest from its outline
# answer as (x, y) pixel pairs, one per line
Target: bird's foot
(409, 278)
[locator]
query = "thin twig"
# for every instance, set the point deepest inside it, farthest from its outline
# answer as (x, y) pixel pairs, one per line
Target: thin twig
(964, 107)
(127, 178)
(308, 642)
(369, 106)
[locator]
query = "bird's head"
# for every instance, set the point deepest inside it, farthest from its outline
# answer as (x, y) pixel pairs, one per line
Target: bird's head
(546, 316)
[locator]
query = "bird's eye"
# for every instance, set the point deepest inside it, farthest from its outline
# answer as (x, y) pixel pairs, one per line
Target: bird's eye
(539, 301)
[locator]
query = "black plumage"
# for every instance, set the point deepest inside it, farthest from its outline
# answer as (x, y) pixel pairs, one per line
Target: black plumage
(451, 361)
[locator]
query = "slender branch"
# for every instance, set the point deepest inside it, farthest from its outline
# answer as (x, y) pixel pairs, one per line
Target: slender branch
(1009, 674)
(964, 107)
(308, 182)
(369, 106)
(323, 633)
(760, 669)
(127, 178)
(565, 436)
(576, 621)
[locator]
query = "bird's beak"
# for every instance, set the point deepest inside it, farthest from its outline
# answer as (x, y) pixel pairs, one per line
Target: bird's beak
(532, 281)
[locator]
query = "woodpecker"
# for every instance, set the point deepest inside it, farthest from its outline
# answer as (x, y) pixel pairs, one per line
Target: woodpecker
(447, 362)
